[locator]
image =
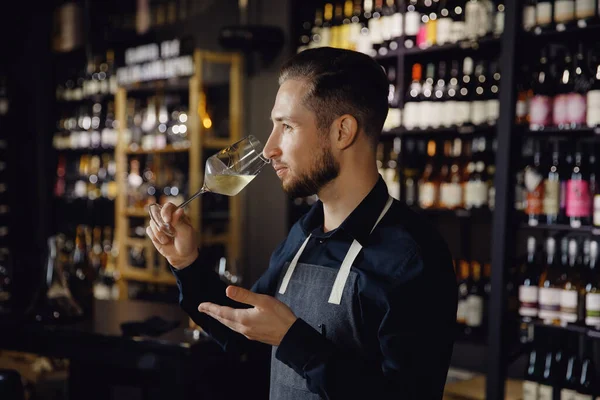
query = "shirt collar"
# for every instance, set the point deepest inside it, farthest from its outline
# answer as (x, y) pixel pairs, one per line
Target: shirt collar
(360, 221)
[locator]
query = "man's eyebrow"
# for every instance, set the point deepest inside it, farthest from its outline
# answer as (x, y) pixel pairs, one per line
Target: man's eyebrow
(282, 118)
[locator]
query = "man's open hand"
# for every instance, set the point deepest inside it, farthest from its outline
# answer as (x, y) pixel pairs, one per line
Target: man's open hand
(267, 322)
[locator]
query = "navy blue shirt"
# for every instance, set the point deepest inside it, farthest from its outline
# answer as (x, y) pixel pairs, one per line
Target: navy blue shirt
(407, 294)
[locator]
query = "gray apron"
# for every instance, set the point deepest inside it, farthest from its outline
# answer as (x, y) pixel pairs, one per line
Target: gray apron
(324, 298)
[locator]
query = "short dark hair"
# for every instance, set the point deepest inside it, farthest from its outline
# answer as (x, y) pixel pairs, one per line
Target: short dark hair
(342, 82)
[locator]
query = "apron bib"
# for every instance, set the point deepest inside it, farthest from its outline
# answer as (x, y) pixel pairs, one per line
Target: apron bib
(324, 298)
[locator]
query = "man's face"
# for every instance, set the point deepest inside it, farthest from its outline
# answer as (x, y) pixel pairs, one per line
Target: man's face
(300, 153)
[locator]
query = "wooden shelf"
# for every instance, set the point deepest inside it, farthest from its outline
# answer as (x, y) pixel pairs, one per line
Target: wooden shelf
(136, 212)
(136, 241)
(138, 274)
(217, 143)
(569, 31)
(166, 150)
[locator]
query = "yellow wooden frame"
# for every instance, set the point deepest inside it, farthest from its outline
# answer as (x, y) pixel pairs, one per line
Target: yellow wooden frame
(199, 142)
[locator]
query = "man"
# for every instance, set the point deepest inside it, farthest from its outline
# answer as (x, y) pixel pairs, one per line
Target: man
(359, 301)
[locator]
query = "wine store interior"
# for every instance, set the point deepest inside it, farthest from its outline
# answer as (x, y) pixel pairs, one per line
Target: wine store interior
(111, 109)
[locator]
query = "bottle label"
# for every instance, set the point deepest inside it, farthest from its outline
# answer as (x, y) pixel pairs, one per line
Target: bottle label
(413, 23)
(541, 110)
(479, 113)
(597, 210)
(578, 199)
(422, 36)
(528, 298)
(493, 110)
(592, 307)
(549, 303)
(543, 13)
(410, 192)
(451, 195)
(427, 194)
(444, 31)
(463, 112)
(448, 112)
(576, 109)
(593, 98)
(545, 392)
(458, 31)
(476, 194)
(461, 311)
(425, 112)
(568, 305)
(474, 310)
(579, 396)
(535, 192)
(559, 111)
(521, 110)
(528, 17)
(530, 390)
(551, 197)
(396, 25)
(411, 115)
(435, 109)
(431, 32)
(584, 9)
(564, 10)
(567, 394)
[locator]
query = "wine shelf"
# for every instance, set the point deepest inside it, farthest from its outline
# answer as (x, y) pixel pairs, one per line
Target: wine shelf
(580, 329)
(461, 131)
(562, 228)
(449, 47)
(166, 150)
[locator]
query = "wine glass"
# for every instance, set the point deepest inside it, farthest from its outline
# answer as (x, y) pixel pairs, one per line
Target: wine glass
(226, 173)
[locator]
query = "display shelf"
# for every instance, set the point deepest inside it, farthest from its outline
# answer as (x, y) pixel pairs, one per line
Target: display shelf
(168, 149)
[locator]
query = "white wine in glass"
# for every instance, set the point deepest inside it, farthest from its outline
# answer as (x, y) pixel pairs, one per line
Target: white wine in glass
(227, 173)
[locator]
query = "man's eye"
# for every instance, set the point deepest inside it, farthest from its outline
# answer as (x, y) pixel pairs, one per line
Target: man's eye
(286, 127)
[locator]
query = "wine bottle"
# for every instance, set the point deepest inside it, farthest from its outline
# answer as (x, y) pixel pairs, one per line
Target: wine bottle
(573, 369)
(444, 26)
(464, 104)
(533, 374)
(475, 299)
(564, 14)
(569, 298)
(534, 184)
(426, 117)
(463, 292)
(550, 286)
(450, 96)
(439, 92)
(560, 116)
(544, 15)
(479, 109)
(529, 21)
(592, 288)
(588, 386)
(412, 111)
(576, 107)
(578, 195)
(491, 93)
(543, 93)
(528, 290)
(586, 12)
(429, 183)
(593, 97)
(551, 200)
(412, 24)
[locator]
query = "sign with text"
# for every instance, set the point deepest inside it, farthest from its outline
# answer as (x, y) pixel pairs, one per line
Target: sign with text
(154, 61)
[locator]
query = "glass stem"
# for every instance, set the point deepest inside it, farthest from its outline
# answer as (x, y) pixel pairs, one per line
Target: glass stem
(201, 191)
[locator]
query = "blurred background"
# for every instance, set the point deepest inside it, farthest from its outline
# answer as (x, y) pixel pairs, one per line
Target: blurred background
(109, 106)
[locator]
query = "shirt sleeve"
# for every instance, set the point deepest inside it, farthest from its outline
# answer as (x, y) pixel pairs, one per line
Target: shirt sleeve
(415, 338)
(198, 283)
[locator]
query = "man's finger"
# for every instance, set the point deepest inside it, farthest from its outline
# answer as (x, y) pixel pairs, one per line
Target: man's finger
(158, 235)
(150, 234)
(167, 211)
(245, 296)
(225, 315)
(177, 217)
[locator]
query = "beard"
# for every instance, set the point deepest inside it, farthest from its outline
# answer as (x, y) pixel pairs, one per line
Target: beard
(323, 170)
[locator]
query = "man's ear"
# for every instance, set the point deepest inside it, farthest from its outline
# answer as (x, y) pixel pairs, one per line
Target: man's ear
(345, 131)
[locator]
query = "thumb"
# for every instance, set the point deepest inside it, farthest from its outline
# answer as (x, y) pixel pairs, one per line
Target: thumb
(242, 295)
(177, 217)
